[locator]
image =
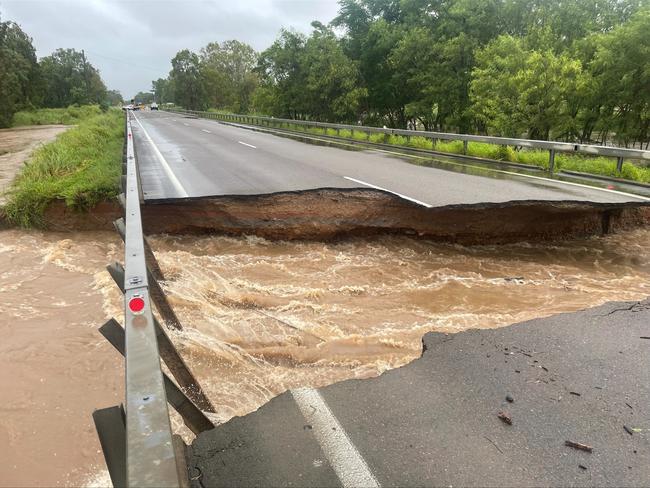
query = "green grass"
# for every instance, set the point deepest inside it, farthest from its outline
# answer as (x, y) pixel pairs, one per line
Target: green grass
(49, 116)
(81, 167)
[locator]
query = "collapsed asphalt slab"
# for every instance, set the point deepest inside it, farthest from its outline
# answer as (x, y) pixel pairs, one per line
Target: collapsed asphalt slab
(581, 377)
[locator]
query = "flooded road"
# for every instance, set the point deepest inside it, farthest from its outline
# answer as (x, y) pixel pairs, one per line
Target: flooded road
(261, 317)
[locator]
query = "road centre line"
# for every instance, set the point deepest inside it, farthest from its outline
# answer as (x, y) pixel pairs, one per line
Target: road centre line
(249, 145)
(168, 170)
(346, 461)
(389, 191)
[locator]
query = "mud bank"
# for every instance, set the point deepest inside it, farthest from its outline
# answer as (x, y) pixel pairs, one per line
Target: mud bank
(325, 214)
(328, 213)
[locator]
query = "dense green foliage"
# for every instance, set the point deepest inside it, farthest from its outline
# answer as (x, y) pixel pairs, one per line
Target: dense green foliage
(81, 167)
(575, 70)
(62, 79)
(46, 116)
(18, 71)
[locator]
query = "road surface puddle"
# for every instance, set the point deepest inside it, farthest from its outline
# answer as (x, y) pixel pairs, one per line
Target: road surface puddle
(260, 317)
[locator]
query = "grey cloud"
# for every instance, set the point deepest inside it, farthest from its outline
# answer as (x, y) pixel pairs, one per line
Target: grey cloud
(132, 42)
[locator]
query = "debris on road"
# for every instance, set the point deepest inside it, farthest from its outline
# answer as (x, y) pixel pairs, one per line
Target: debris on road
(575, 393)
(505, 417)
(578, 445)
(509, 398)
(628, 430)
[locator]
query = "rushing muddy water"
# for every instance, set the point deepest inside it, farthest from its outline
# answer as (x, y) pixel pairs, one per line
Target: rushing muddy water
(261, 317)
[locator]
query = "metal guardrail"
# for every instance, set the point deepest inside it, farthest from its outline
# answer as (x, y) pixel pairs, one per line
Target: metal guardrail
(619, 153)
(150, 459)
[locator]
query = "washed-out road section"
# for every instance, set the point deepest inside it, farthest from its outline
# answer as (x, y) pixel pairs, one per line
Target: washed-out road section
(580, 377)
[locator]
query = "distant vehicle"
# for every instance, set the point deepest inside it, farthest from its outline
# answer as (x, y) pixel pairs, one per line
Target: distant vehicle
(153, 106)
(127, 107)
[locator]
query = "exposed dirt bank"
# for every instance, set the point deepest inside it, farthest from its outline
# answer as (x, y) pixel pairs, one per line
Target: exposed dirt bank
(331, 213)
(16, 145)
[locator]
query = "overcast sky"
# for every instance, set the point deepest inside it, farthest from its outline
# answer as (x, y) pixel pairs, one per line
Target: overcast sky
(133, 41)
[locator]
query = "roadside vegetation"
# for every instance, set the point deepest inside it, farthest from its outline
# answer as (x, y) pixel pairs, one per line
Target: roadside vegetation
(48, 116)
(59, 80)
(82, 168)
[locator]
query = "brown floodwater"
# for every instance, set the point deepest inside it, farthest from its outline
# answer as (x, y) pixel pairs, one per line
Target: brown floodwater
(261, 317)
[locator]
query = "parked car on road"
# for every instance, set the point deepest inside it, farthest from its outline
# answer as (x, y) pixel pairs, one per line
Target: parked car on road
(153, 106)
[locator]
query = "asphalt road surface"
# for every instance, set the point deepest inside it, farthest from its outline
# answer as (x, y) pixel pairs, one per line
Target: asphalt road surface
(581, 377)
(182, 157)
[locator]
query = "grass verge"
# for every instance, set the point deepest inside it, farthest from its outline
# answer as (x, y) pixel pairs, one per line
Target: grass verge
(82, 167)
(50, 116)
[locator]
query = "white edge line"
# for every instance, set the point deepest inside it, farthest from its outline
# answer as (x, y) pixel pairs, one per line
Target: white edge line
(249, 145)
(389, 191)
(348, 464)
(206, 131)
(170, 174)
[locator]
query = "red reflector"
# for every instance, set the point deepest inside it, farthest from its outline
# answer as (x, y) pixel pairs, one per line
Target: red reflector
(136, 304)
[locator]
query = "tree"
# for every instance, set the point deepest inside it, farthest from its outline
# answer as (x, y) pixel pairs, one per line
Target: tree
(228, 70)
(621, 73)
(114, 97)
(310, 77)
(68, 78)
(18, 72)
(187, 79)
(144, 97)
(163, 90)
(516, 91)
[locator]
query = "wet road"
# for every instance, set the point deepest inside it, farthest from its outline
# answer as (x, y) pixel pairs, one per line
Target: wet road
(184, 157)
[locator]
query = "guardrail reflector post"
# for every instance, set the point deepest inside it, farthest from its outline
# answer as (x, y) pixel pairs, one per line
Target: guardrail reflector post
(619, 164)
(465, 144)
(551, 161)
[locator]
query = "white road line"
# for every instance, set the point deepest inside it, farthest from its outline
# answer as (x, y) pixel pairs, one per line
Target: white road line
(343, 456)
(186, 125)
(249, 145)
(389, 191)
(170, 174)
(207, 131)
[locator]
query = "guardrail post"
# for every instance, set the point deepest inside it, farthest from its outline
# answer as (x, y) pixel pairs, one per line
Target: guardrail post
(465, 144)
(619, 164)
(551, 161)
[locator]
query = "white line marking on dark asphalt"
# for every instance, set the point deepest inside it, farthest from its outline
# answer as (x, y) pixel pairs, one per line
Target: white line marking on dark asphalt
(205, 130)
(249, 145)
(170, 174)
(389, 191)
(343, 456)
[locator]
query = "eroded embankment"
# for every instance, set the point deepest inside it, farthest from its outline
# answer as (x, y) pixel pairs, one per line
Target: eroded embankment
(327, 213)
(324, 214)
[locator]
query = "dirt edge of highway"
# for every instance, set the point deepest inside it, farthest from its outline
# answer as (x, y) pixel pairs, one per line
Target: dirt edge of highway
(330, 213)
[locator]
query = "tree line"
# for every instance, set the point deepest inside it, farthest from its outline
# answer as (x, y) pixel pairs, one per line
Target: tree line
(62, 79)
(574, 70)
